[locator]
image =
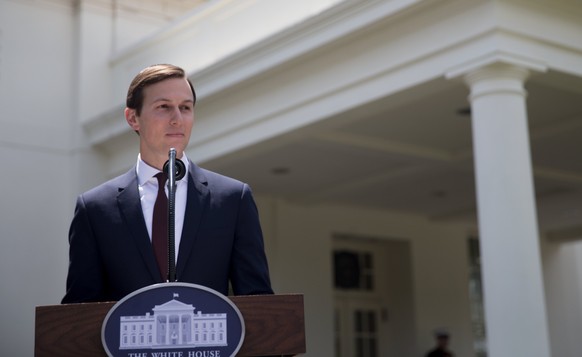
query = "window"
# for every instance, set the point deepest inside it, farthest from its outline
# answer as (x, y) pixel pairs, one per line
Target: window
(337, 332)
(366, 333)
(476, 298)
(354, 270)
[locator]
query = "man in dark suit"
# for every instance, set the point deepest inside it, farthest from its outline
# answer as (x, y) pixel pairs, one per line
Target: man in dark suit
(218, 234)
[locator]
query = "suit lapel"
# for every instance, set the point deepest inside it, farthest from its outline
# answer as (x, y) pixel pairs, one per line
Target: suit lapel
(196, 203)
(130, 207)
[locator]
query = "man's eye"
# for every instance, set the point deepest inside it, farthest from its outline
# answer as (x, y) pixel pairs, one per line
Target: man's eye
(186, 108)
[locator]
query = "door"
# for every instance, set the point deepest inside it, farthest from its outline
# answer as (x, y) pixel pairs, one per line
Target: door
(359, 329)
(373, 297)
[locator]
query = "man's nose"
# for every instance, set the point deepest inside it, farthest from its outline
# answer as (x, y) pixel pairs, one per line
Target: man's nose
(176, 116)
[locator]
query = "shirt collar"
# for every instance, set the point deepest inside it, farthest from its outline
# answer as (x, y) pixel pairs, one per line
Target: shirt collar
(145, 172)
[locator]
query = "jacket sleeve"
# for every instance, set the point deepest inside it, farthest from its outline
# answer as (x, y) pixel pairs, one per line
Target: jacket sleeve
(249, 273)
(85, 279)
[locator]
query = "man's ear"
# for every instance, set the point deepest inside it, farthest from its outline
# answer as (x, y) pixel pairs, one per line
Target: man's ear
(131, 118)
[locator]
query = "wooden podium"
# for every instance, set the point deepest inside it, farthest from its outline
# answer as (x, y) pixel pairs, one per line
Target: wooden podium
(274, 325)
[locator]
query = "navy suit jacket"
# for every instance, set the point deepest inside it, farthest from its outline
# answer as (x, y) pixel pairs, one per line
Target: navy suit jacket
(110, 252)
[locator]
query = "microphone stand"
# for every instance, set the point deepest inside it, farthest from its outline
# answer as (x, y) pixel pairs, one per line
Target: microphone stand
(172, 215)
(175, 169)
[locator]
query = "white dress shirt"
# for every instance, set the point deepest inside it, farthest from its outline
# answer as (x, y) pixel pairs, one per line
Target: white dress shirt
(148, 191)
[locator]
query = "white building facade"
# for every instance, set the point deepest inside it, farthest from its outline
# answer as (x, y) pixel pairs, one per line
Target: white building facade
(436, 142)
(173, 324)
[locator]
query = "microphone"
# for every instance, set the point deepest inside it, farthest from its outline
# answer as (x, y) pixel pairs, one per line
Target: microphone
(175, 174)
(179, 167)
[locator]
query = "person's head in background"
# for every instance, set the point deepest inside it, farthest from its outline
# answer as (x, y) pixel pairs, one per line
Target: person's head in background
(442, 338)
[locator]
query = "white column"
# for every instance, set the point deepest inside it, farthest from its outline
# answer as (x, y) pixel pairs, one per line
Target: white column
(167, 330)
(515, 309)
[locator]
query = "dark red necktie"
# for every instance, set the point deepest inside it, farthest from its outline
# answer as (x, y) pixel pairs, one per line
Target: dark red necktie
(160, 226)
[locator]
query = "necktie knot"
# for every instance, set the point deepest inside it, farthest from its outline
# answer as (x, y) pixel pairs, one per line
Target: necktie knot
(162, 177)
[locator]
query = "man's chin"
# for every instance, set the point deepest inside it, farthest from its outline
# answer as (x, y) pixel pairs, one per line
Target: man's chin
(178, 145)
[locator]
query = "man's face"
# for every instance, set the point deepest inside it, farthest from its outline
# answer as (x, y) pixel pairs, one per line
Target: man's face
(166, 120)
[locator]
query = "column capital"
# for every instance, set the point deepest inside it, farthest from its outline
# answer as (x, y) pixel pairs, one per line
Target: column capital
(496, 71)
(495, 60)
(497, 78)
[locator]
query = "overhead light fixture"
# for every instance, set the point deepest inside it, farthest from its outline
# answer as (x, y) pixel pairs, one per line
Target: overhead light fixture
(280, 170)
(465, 111)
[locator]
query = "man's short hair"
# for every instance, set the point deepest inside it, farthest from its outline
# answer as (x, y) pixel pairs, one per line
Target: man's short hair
(151, 75)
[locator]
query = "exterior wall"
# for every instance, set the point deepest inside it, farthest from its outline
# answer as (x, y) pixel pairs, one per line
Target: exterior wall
(299, 249)
(298, 243)
(563, 286)
(36, 127)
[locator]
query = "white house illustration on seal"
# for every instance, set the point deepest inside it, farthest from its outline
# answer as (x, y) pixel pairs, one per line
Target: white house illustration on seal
(173, 324)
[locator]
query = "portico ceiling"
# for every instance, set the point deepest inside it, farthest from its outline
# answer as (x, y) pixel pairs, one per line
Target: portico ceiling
(417, 157)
